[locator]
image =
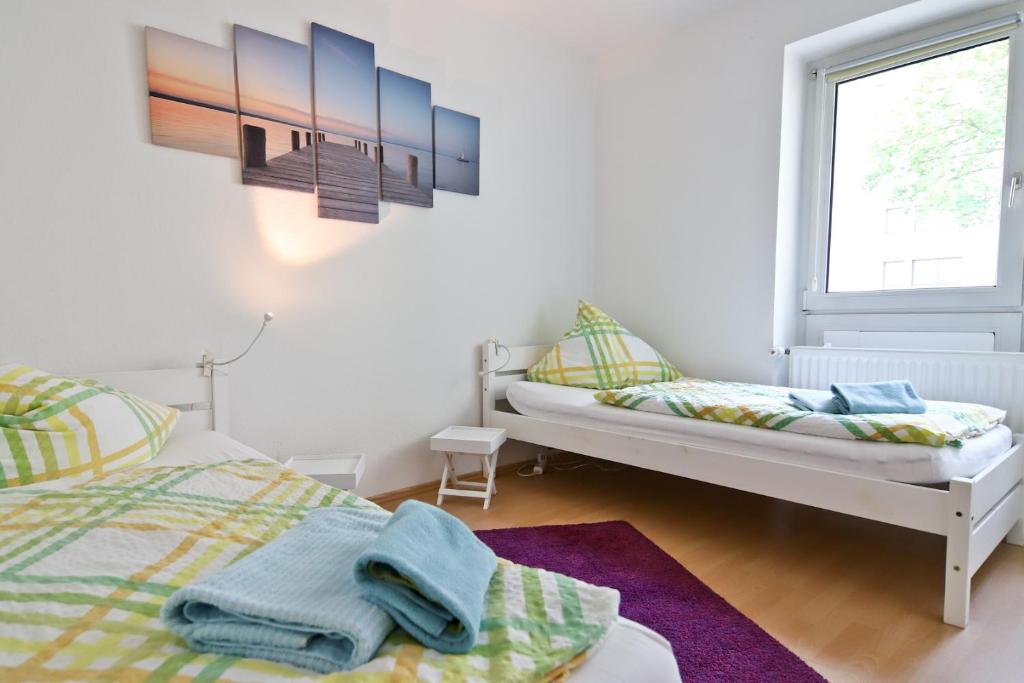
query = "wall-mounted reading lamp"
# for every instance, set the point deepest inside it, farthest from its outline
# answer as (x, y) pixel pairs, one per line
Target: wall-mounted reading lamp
(207, 363)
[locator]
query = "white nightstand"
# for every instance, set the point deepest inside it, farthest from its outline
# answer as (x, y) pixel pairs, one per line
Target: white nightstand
(482, 442)
(341, 470)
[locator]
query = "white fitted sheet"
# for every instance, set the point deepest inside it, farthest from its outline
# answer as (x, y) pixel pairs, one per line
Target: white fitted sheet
(629, 652)
(909, 463)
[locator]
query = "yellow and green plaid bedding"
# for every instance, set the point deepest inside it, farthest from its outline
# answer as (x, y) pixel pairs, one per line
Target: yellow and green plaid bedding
(768, 407)
(599, 353)
(57, 427)
(84, 571)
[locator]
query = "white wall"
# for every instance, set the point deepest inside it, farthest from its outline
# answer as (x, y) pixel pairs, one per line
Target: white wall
(689, 195)
(118, 254)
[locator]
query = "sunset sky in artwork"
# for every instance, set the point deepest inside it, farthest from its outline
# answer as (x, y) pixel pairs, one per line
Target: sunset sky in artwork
(344, 84)
(186, 68)
(273, 77)
(456, 133)
(405, 110)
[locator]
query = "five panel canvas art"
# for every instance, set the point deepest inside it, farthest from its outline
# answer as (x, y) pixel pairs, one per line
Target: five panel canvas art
(334, 123)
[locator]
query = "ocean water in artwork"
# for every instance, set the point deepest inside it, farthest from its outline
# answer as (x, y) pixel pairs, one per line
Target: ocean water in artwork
(458, 175)
(192, 127)
(191, 94)
(456, 151)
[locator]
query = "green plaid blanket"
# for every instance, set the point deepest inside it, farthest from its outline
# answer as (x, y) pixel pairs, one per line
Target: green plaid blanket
(84, 571)
(768, 407)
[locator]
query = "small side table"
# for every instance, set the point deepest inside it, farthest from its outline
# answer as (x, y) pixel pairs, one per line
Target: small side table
(341, 470)
(482, 442)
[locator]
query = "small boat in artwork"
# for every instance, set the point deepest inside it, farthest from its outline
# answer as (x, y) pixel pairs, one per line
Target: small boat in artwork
(462, 158)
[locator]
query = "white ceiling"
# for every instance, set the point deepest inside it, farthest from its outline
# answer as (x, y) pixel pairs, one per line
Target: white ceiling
(596, 26)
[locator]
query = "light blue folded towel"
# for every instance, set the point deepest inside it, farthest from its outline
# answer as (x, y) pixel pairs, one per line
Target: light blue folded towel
(877, 397)
(293, 600)
(431, 573)
(813, 400)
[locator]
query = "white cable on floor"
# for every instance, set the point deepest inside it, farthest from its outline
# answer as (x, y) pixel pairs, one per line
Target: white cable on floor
(526, 470)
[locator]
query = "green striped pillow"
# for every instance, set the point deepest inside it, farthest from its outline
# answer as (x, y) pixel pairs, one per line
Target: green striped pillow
(57, 427)
(599, 353)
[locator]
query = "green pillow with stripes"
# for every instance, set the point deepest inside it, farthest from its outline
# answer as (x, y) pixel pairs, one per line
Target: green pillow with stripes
(58, 427)
(599, 353)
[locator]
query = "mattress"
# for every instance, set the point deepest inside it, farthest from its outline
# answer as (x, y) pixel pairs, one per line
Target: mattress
(629, 651)
(908, 463)
(201, 448)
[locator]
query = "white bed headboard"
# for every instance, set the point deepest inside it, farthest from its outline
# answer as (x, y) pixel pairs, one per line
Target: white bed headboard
(513, 367)
(201, 400)
(988, 377)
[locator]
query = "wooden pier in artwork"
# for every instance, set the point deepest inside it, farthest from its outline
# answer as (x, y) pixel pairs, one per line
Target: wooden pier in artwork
(401, 188)
(291, 171)
(347, 183)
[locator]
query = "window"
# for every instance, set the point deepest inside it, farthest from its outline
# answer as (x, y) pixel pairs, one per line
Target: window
(919, 146)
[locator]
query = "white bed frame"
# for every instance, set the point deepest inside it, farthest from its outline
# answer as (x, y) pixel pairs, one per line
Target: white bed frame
(974, 515)
(202, 400)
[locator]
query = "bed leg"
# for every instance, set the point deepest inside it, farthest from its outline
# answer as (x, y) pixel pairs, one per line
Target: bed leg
(957, 605)
(1016, 535)
(957, 602)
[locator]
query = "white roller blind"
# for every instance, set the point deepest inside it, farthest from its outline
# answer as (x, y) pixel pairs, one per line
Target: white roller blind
(949, 42)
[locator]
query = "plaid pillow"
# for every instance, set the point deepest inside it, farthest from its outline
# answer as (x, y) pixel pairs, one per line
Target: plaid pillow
(55, 427)
(599, 353)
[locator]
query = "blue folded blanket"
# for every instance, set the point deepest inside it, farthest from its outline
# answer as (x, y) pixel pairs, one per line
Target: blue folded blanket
(864, 398)
(430, 573)
(813, 400)
(294, 600)
(877, 397)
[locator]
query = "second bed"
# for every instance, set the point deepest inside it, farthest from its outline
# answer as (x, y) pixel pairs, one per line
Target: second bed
(970, 492)
(909, 463)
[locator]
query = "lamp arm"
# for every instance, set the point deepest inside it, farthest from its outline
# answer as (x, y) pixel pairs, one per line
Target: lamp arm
(207, 363)
(247, 348)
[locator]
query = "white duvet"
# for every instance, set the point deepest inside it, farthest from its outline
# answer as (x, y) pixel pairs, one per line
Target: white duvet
(629, 652)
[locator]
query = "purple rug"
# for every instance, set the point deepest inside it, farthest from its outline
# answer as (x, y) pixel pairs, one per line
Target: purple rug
(711, 639)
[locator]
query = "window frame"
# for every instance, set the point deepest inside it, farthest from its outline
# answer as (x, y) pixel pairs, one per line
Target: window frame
(1009, 289)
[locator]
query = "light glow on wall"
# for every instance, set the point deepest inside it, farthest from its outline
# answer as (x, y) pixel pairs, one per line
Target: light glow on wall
(291, 233)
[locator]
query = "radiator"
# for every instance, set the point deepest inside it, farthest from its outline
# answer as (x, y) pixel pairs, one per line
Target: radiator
(991, 378)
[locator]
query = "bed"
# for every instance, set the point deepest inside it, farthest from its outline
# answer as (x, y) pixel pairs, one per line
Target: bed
(970, 495)
(117, 631)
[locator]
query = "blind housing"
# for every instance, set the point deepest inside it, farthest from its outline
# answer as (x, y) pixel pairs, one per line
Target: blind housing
(949, 42)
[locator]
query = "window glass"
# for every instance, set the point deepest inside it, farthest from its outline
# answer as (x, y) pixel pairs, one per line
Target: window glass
(917, 174)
